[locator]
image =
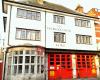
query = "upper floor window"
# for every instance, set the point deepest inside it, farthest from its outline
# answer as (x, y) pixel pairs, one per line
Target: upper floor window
(59, 19)
(27, 14)
(27, 34)
(83, 39)
(59, 37)
(82, 22)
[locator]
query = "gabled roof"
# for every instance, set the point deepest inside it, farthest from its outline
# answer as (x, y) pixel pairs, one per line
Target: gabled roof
(50, 6)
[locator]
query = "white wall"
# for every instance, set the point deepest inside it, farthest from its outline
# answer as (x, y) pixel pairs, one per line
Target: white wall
(1, 25)
(71, 30)
(27, 24)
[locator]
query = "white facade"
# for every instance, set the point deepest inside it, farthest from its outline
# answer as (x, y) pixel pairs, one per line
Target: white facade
(1, 26)
(15, 22)
(71, 30)
(48, 27)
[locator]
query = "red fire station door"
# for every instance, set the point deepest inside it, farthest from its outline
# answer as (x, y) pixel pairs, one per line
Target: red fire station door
(59, 66)
(85, 65)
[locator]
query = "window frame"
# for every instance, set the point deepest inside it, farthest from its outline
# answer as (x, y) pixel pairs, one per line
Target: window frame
(59, 36)
(80, 22)
(19, 36)
(59, 19)
(35, 15)
(82, 39)
(14, 67)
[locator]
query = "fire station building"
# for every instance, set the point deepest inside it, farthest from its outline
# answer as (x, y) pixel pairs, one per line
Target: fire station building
(48, 41)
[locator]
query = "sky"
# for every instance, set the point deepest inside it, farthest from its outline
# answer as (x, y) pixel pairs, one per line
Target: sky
(72, 4)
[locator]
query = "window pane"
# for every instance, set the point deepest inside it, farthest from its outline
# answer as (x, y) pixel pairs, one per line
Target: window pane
(27, 51)
(26, 68)
(37, 35)
(24, 13)
(20, 12)
(55, 19)
(42, 60)
(19, 68)
(32, 35)
(20, 52)
(32, 51)
(27, 59)
(15, 60)
(15, 70)
(29, 15)
(38, 68)
(32, 68)
(32, 59)
(28, 34)
(16, 52)
(38, 16)
(34, 15)
(42, 68)
(38, 59)
(20, 59)
(84, 23)
(23, 34)
(18, 33)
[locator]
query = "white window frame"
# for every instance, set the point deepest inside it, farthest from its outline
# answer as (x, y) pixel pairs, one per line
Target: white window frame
(83, 39)
(82, 22)
(28, 14)
(32, 53)
(59, 19)
(59, 37)
(28, 34)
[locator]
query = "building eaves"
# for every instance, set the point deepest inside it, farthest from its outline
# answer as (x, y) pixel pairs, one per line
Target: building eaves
(51, 6)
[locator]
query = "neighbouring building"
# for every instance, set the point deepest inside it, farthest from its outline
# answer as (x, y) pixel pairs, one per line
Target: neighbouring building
(48, 41)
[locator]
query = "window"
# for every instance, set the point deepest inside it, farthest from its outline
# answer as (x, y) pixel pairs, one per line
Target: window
(32, 15)
(25, 61)
(59, 37)
(82, 22)
(59, 19)
(83, 39)
(5, 22)
(25, 34)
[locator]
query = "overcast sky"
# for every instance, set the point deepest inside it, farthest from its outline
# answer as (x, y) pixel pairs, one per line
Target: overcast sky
(87, 4)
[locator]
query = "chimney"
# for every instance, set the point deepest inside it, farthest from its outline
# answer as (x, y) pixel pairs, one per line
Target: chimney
(79, 8)
(39, 1)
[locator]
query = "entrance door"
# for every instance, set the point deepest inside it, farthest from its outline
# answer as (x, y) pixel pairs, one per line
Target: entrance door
(60, 66)
(85, 65)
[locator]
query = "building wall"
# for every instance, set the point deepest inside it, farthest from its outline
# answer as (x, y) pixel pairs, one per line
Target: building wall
(71, 30)
(15, 22)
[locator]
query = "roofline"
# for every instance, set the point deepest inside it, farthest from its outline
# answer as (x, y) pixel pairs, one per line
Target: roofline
(49, 9)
